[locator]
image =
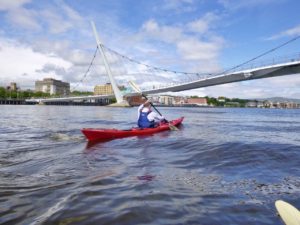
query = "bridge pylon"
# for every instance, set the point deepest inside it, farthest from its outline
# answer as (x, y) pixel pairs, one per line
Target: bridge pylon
(118, 94)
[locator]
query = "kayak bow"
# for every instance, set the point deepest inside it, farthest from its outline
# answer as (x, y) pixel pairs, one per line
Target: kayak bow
(93, 134)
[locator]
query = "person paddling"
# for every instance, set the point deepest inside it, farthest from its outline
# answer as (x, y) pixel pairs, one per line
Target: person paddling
(148, 118)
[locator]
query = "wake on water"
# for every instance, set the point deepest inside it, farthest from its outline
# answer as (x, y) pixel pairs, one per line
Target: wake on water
(66, 137)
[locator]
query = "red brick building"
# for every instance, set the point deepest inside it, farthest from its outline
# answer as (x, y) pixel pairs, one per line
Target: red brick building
(197, 101)
(135, 100)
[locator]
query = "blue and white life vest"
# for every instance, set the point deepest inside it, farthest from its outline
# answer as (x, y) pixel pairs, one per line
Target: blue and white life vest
(143, 121)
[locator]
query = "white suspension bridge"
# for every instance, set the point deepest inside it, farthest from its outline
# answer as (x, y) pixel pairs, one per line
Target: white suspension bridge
(181, 80)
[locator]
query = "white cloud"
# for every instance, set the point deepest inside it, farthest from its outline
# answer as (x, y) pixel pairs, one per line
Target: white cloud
(12, 4)
(291, 81)
(203, 24)
(287, 33)
(194, 49)
(168, 34)
(58, 47)
(24, 18)
(262, 88)
(56, 22)
(178, 6)
(18, 15)
(20, 63)
(44, 56)
(242, 4)
(70, 13)
(59, 17)
(189, 47)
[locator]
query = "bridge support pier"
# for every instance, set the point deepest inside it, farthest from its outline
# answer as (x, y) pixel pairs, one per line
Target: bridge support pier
(120, 104)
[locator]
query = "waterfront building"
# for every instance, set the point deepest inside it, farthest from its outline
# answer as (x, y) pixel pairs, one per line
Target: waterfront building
(221, 99)
(268, 104)
(154, 99)
(105, 89)
(260, 104)
(251, 104)
(52, 86)
(179, 100)
(197, 101)
(278, 105)
(135, 100)
(13, 86)
(282, 105)
(166, 100)
(292, 105)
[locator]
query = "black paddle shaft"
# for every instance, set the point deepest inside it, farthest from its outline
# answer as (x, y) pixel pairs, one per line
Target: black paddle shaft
(152, 104)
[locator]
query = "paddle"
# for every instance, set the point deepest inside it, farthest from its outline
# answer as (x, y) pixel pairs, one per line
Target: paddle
(137, 89)
(288, 213)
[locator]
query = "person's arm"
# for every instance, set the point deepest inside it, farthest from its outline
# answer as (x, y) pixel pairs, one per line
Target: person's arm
(140, 109)
(155, 116)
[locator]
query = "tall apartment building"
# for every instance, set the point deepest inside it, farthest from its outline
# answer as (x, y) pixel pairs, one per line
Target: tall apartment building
(105, 89)
(52, 86)
(13, 86)
(166, 100)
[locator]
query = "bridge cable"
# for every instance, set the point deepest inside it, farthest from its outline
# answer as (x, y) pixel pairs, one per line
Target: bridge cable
(199, 74)
(261, 55)
(146, 65)
(87, 71)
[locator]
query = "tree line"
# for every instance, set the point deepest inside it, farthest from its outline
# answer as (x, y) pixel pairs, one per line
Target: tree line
(224, 102)
(6, 93)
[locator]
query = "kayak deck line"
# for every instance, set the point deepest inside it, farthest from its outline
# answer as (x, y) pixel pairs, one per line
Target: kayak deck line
(94, 134)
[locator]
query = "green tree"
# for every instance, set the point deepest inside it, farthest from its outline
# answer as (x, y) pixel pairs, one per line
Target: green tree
(212, 101)
(81, 93)
(40, 94)
(2, 92)
(113, 100)
(27, 94)
(13, 94)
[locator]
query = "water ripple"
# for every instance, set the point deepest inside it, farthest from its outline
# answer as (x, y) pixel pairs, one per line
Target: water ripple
(224, 166)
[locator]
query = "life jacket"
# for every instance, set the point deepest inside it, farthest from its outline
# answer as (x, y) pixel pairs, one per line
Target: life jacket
(144, 122)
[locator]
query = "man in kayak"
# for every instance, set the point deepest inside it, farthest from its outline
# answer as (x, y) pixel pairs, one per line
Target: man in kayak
(148, 118)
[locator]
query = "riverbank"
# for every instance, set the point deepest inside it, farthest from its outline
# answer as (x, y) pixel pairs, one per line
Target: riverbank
(24, 102)
(15, 102)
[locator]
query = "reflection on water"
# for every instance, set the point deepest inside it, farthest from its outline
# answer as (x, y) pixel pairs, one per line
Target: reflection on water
(224, 166)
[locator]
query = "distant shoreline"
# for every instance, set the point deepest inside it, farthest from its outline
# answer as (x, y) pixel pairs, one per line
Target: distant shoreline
(23, 102)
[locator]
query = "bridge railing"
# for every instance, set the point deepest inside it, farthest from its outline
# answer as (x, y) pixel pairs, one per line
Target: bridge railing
(267, 62)
(248, 66)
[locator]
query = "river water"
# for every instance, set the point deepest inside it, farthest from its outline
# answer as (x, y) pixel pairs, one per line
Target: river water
(224, 166)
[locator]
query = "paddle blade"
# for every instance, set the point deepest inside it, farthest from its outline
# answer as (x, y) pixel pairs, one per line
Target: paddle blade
(288, 213)
(173, 128)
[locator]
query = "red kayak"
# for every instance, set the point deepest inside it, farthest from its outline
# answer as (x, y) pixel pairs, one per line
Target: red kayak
(107, 134)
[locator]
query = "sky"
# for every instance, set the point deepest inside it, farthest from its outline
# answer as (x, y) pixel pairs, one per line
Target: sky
(54, 38)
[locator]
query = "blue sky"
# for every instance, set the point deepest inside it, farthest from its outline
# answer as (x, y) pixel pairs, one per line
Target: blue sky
(41, 39)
